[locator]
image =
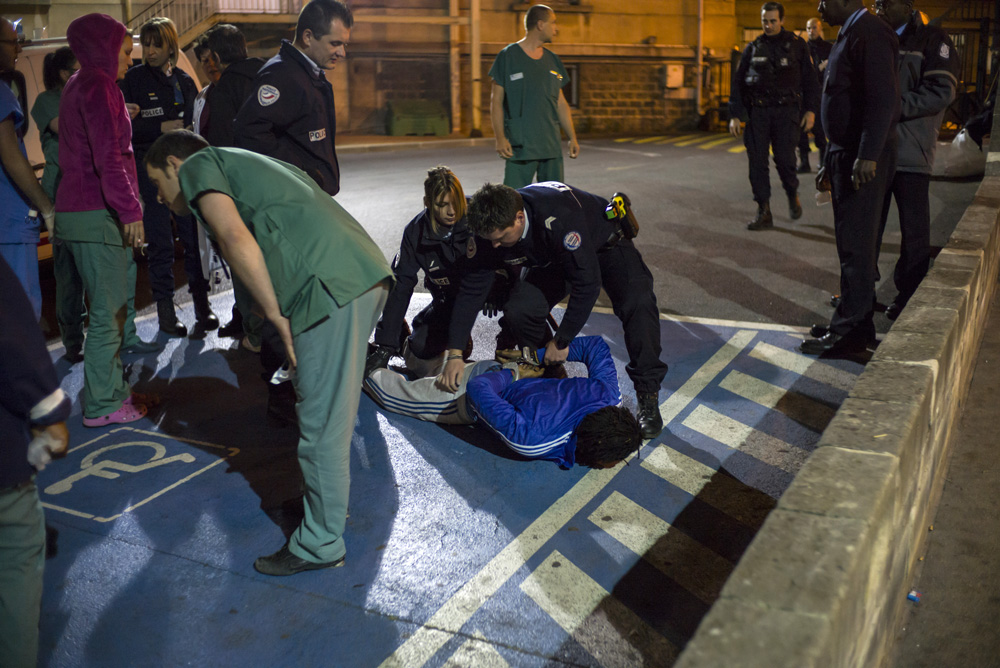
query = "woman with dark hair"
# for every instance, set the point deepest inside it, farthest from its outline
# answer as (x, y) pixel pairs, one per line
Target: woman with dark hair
(165, 96)
(436, 242)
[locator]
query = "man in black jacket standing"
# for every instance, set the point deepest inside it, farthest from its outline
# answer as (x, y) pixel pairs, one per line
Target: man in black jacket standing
(928, 77)
(860, 106)
(291, 115)
(819, 49)
(228, 47)
(776, 92)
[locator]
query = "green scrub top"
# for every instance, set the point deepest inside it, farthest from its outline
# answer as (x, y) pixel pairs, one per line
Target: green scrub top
(311, 245)
(530, 101)
(45, 109)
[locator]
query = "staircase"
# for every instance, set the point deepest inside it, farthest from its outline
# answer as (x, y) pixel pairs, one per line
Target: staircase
(194, 17)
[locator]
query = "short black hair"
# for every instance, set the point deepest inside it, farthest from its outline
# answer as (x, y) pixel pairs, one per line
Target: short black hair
(535, 14)
(607, 436)
(178, 143)
(772, 6)
(317, 15)
(55, 62)
(228, 43)
(493, 207)
(200, 47)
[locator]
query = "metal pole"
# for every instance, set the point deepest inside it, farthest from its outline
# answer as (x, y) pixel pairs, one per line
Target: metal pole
(475, 54)
(454, 68)
(699, 62)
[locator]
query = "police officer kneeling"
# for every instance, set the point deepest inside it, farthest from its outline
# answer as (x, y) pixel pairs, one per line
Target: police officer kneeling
(776, 91)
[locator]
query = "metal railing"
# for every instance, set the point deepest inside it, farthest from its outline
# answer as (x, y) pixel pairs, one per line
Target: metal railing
(186, 14)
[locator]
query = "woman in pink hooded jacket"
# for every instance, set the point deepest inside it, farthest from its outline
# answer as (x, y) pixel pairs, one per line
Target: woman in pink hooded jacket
(98, 215)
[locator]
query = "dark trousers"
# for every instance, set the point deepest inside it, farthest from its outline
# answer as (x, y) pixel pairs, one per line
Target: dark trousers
(819, 137)
(629, 285)
(772, 129)
(912, 193)
(160, 235)
(430, 330)
(856, 218)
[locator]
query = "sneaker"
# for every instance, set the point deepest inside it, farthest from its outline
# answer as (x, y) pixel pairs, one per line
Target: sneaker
(283, 562)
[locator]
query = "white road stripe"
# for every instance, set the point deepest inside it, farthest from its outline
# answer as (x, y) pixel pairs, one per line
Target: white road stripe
(450, 618)
(745, 438)
(600, 623)
(804, 366)
(719, 490)
(683, 559)
(802, 409)
(476, 654)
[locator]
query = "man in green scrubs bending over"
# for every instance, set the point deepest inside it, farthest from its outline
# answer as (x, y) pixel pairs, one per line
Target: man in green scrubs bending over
(319, 278)
(527, 106)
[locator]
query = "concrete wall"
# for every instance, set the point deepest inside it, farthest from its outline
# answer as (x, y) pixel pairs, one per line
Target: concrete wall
(55, 18)
(824, 583)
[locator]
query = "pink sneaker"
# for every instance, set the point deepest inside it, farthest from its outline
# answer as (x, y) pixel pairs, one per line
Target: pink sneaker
(129, 412)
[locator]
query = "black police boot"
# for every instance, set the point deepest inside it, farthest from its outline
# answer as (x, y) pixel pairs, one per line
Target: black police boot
(794, 206)
(234, 328)
(206, 321)
(763, 220)
(650, 420)
(169, 324)
(804, 167)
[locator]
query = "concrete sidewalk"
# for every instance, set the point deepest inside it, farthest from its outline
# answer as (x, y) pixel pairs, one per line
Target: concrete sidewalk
(955, 621)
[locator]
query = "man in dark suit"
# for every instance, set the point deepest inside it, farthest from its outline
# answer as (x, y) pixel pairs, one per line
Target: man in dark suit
(860, 107)
(819, 49)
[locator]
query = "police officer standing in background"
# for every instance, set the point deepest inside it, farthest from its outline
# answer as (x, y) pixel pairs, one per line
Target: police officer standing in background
(819, 49)
(928, 77)
(775, 90)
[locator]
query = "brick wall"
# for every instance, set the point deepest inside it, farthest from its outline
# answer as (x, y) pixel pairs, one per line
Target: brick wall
(627, 98)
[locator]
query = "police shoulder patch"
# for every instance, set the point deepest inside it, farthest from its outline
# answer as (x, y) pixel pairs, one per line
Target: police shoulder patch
(572, 241)
(267, 95)
(470, 248)
(944, 51)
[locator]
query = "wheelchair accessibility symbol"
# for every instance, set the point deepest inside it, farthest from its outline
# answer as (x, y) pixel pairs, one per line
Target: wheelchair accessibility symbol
(144, 465)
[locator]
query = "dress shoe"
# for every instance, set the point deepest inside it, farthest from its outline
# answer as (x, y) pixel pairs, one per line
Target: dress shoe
(834, 344)
(817, 330)
(794, 207)
(763, 220)
(234, 328)
(141, 347)
(169, 324)
(283, 562)
(74, 354)
(804, 167)
(650, 420)
(893, 310)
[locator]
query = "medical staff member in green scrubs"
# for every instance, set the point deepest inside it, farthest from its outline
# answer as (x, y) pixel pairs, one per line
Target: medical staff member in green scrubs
(319, 278)
(527, 106)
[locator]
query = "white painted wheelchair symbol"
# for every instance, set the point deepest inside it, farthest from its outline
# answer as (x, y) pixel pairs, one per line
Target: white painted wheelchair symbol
(111, 469)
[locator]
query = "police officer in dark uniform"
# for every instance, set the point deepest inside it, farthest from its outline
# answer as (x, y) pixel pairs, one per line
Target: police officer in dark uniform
(165, 96)
(562, 241)
(819, 49)
(437, 242)
(291, 114)
(776, 91)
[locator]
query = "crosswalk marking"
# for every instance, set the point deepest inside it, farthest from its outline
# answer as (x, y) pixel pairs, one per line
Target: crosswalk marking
(683, 559)
(671, 140)
(745, 438)
(622, 140)
(476, 654)
(738, 149)
(719, 490)
(649, 140)
(717, 142)
(802, 409)
(804, 366)
(600, 623)
(696, 140)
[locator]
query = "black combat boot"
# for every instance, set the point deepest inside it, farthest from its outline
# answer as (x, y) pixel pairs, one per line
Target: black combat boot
(650, 420)
(763, 220)
(794, 206)
(169, 324)
(234, 328)
(205, 320)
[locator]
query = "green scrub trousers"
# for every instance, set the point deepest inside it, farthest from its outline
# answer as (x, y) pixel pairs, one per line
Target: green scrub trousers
(331, 363)
(521, 173)
(22, 562)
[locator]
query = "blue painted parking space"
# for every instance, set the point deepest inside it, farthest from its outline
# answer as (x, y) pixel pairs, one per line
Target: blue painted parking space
(459, 551)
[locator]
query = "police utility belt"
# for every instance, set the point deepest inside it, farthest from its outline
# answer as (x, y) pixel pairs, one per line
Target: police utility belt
(619, 211)
(776, 99)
